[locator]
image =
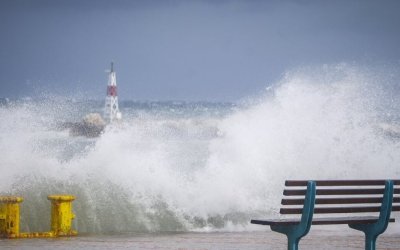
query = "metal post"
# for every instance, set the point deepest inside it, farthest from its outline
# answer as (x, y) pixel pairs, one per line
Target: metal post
(61, 214)
(9, 216)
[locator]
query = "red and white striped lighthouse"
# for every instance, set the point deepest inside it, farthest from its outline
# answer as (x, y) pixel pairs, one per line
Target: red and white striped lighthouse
(111, 110)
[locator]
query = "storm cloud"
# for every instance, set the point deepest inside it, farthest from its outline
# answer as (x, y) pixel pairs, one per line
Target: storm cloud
(184, 50)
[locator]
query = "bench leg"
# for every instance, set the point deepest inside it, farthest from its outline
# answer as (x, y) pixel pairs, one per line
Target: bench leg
(371, 234)
(370, 242)
(293, 234)
(293, 243)
(372, 231)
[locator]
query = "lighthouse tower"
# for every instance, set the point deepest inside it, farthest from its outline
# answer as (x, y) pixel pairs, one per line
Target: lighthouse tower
(111, 110)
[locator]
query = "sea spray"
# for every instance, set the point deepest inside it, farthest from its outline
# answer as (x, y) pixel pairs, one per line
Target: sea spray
(184, 166)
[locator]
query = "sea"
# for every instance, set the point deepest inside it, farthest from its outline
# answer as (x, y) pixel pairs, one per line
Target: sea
(191, 175)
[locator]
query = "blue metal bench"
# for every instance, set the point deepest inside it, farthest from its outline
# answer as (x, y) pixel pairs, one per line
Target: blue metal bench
(337, 197)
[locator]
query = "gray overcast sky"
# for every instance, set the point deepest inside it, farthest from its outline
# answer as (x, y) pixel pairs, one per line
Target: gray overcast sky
(184, 50)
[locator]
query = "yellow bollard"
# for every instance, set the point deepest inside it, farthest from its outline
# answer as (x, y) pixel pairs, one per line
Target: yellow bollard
(61, 214)
(9, 216)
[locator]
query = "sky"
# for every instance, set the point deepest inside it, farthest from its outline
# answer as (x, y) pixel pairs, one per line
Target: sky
(206, 50)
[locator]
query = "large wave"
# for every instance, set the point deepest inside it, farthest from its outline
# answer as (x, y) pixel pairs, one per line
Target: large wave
(203, 172)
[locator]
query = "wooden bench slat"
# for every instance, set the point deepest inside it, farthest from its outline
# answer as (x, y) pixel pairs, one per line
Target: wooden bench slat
(355, 200)
(302, 192)
(334, 210)
(276, 222)
(331, 210)
(303, 183)
(348, 220)
(322, 221)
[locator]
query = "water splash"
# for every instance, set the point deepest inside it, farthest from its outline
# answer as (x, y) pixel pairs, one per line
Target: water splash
(203, 170)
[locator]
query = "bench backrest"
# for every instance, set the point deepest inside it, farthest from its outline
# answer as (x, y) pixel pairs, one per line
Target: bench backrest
(340, 196)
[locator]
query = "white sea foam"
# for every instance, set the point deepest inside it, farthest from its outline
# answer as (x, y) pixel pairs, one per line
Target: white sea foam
(200, 172)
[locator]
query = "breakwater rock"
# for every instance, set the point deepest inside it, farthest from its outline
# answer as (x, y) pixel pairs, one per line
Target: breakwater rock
(92, 125)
